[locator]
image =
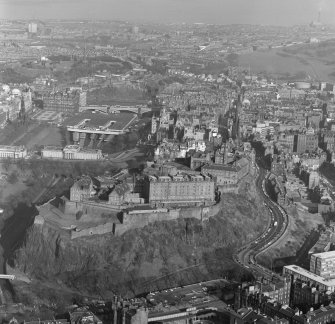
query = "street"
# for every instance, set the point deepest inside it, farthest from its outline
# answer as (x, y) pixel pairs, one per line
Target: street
(246, 255)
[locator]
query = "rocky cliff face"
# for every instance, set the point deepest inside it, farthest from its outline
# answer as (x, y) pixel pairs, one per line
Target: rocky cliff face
(159, 255)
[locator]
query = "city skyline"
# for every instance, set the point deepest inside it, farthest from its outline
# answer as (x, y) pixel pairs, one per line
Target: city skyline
(266, 12)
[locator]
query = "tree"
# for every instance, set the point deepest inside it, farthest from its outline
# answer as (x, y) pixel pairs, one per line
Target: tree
(315, 195)
(13, 178)
(7, 163)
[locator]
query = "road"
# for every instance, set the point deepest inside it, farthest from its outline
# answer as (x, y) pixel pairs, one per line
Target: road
(246, 256)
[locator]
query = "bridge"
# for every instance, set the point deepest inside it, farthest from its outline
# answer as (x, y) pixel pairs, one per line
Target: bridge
(138, 109)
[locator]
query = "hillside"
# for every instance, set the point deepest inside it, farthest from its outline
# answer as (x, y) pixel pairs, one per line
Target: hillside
(154, 257)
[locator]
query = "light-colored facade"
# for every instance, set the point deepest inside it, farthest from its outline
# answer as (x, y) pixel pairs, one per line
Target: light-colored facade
(71, 152)
(323, 264)
(12, 152)
(323, 284)
(74, 152)
(52, 152)
(188, 189)
(314, 179)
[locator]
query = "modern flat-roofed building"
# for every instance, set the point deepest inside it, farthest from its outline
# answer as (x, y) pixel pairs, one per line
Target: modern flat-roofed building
(181, 189)
(12, 152)
(322, 284)
(323, 264)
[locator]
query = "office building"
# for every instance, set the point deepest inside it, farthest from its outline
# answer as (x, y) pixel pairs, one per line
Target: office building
(310, 278)
(323, 264)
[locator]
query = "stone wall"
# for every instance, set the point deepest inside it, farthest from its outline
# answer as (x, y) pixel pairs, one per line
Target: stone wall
(228, 189)
(96, 230)
(89, 208)
(138, 220)
(141, 219)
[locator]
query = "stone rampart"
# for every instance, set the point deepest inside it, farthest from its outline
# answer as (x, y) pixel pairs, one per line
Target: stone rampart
(133, 219)
(96, 230)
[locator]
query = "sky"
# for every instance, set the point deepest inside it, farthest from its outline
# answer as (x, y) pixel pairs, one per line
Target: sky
(265, 12)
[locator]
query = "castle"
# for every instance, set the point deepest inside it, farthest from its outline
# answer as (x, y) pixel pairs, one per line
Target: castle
(107, 204)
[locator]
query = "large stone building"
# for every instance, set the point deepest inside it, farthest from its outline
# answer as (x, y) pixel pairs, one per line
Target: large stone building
(52, 152)
(12, 152)
(75, 152)
(71, 152)
(305, 142)
(122, 194)
(226, 175)
(181, 189)
(82, 189)
(198, 160)
(67, 103)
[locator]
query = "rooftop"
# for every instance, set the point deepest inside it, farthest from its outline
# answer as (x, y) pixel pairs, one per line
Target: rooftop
(325, 255)
(12, 148)
(52, 148)
(311, 275)
(98, 120)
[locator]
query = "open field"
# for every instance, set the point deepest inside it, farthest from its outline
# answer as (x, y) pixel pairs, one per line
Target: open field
(289, 64)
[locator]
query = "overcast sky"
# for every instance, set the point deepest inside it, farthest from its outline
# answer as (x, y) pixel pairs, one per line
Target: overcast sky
(276, 12)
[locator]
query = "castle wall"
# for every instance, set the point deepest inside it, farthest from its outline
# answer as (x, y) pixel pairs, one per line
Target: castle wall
(228, 189)
(138, 220)
(141, 219)
(72, 208)
(96, 230)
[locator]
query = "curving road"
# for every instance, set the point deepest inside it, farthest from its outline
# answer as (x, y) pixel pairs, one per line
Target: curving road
(277, 225)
